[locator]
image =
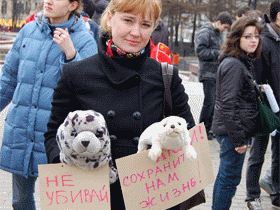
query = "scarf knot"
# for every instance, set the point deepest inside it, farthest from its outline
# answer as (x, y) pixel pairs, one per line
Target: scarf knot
(114, 51)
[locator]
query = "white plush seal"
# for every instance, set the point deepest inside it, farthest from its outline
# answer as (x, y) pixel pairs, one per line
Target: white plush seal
(170, 133)
(83, 140)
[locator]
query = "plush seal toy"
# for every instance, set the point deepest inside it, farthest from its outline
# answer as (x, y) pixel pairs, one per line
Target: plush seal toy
(170, 133)
(83, 140)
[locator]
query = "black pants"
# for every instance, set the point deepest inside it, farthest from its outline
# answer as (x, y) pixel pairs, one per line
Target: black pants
(206, 115)
(254, 166)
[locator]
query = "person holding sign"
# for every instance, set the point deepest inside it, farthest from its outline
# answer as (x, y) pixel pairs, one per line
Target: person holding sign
(121, 82)
(236, 110)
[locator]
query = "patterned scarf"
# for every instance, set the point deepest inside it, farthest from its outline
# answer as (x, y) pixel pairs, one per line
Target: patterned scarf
(114, 51)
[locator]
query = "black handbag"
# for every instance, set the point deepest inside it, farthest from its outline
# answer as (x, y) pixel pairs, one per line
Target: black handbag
(267, 118)
(167, 72)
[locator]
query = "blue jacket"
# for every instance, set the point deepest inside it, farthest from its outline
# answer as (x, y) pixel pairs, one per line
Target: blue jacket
(31, 70)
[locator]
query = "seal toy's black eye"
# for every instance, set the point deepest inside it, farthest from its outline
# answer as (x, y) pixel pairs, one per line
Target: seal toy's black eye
(74, 133)
(164, 125)
(179, 123)
(99, 133)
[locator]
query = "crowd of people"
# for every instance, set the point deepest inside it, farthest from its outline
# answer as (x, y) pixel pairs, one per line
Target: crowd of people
(249, 53)
(50, 71)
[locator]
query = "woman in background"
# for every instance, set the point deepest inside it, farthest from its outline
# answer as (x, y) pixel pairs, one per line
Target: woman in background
(31, 70)
(236, 110)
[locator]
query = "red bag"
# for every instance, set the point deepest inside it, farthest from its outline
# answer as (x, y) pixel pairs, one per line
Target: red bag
(31, 18)
(160, 52)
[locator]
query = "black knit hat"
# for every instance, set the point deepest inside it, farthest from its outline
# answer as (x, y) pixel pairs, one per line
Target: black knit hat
(89, 7)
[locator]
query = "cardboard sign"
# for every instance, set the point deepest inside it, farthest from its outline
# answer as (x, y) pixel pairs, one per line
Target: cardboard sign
(69, 187)
(172, 179)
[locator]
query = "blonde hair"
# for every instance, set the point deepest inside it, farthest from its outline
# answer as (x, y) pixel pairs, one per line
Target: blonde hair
(130, 6)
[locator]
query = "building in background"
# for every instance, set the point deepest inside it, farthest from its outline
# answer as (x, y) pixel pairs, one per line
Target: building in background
(13, 12)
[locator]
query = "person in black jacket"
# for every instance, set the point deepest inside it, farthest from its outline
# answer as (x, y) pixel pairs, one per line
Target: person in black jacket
(88, 12)
(100, 6)
(160, 34)
(267, 71)
(208, 44)
(121, 82)
(236, 113)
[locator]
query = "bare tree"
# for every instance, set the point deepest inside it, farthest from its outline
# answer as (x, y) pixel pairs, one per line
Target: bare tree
(194, 13)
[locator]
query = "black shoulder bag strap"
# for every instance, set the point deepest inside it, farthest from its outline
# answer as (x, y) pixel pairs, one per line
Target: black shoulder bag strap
(259, 93)
(167, 73)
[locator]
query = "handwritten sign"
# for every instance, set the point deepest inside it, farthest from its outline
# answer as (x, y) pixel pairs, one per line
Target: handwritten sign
(172, 179)
(69, 187)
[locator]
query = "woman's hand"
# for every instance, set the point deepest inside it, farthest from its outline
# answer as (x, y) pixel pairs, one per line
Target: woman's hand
(242, 149)
(263, 87)
(64, 41)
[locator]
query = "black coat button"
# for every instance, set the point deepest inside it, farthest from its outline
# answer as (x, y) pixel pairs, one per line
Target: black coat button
(136, 139)
(111, 114)
(113, 138)
(23, 45)
(137, 115)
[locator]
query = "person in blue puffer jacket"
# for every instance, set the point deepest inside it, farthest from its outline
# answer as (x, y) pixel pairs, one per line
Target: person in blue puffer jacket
(31, 70)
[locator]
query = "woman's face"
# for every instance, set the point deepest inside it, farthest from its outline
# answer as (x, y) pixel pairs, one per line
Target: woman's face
(58, 11)
(250, 39)
(131, 32)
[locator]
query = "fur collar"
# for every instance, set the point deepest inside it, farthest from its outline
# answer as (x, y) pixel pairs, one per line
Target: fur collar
(275, 27)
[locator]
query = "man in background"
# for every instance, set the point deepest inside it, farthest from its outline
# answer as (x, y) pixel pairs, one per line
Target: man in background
(88, 12)
(160, 34)
(241, 12)
(207, 48)
(267, 72)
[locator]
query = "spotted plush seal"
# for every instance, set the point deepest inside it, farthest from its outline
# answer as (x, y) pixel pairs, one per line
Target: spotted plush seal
(84, 141)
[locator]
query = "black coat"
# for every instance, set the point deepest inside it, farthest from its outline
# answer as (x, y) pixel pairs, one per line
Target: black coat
(129, 94)
(160, 34)
(208, 43)
(236, 109)
(268, 65)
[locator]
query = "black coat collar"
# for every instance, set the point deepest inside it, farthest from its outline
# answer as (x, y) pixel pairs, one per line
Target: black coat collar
(119, 70)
